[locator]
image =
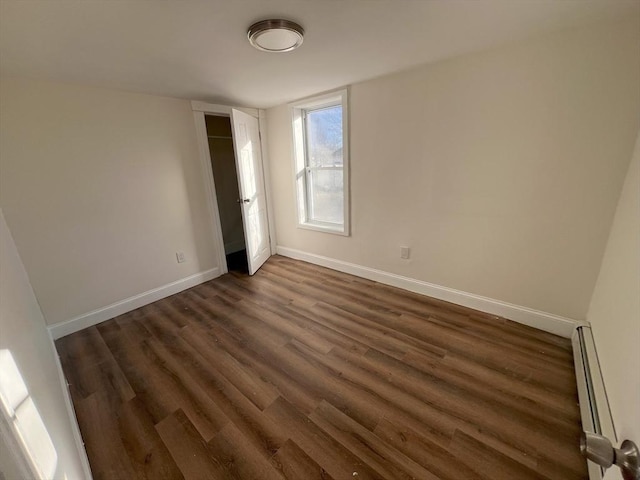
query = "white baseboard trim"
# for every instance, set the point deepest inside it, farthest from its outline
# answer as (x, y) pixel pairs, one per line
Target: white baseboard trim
(62, 329)
(534, 318)
(75, 428)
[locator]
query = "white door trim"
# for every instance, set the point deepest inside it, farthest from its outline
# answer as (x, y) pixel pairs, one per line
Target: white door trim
(217, 109)
(210, 187)
(200, 109)
(266, 170)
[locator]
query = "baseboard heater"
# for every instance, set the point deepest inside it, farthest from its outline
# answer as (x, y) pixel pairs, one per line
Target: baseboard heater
(594, 405)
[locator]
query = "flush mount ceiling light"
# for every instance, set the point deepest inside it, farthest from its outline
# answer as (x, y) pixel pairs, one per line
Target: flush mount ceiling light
(275, 35)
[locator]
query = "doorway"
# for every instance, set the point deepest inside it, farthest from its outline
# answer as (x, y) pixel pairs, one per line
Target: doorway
(225, 177)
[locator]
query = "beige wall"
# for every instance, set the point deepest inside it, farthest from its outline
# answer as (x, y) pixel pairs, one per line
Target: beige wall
(23, 333)
(100, 189)
(501, 170)
(615, 308)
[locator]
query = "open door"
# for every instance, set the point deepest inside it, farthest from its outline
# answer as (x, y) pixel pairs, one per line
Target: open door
(246, 138)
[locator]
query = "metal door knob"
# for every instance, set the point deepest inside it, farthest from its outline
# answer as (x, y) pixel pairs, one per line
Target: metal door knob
(599, 450)
(243, 200)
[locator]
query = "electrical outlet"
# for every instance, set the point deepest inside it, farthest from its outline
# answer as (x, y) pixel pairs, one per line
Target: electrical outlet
(404, 252)
(180, 257)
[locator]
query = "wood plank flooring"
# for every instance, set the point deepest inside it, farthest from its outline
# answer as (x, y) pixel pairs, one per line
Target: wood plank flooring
(301, 372)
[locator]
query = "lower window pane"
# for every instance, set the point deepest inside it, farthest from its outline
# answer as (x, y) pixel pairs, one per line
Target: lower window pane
(327, 196)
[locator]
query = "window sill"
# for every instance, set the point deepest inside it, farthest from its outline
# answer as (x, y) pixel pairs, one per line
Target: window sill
(340, 230)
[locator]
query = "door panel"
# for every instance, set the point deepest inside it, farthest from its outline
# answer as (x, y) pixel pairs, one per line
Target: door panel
(246, 139)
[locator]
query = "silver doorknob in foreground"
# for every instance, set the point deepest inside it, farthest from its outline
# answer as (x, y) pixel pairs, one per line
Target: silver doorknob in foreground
(599, 450)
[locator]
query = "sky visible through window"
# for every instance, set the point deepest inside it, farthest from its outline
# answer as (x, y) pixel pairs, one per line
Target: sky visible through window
(324, 140)
(325, 136)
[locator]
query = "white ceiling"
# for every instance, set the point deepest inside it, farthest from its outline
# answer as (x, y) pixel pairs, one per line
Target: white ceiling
(198, 49)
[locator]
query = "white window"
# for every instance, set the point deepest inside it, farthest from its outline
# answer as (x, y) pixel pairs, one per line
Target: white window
(321, 162)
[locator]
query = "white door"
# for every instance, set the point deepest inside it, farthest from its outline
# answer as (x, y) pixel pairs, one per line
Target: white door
(246, 139)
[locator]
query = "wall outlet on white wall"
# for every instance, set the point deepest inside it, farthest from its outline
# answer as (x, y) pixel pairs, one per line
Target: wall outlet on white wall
(404, 252)
(180, 257)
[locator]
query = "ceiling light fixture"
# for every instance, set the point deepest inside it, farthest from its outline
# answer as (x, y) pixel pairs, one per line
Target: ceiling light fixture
(275, 35)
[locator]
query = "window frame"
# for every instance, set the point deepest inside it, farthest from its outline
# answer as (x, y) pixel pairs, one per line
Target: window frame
(302, 170)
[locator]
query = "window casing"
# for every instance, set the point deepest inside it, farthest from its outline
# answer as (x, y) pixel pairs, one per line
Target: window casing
(321, 162)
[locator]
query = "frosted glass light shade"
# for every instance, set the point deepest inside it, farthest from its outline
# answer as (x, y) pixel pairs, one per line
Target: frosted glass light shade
(275, 35)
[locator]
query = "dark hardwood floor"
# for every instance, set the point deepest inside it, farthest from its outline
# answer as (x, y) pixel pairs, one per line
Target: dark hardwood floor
(300, 372)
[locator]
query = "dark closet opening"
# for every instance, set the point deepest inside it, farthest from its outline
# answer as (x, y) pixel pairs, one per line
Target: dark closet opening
(225, 177)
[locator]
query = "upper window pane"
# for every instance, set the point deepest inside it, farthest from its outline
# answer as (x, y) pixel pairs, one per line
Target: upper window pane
(324, 136)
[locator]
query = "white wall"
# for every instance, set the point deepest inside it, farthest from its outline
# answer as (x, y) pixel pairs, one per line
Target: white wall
(9, 466)
(23, 333)
(615, 309)
(501, 170)
(100, 189)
